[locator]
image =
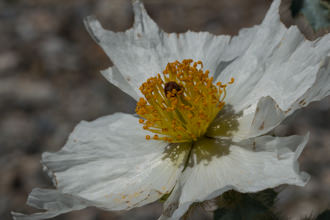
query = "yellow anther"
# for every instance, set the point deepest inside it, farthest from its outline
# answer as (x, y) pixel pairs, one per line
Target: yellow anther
(181, 102)
(232, 80)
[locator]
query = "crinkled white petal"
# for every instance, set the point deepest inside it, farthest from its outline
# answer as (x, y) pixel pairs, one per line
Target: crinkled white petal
(53, 201)
(250, 166)
(279, 72)
(145, 49)
(113, 75)
(109, 164)
(260, 120)
(280, 63)
(251, 122)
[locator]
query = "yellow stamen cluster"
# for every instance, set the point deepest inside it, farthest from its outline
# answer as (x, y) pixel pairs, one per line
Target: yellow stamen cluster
(183, 112)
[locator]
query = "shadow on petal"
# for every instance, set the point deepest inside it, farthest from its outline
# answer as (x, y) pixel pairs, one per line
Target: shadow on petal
(225, 124)
(206, 149)
(177, 153)
(203, 151)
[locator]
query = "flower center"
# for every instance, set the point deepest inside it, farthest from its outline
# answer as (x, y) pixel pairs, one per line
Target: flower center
(180, 105)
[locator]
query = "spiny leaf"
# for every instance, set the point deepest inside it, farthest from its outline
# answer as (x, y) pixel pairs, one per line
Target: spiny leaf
(317, 14)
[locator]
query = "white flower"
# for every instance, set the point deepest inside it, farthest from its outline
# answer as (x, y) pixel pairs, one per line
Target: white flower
(108, 163)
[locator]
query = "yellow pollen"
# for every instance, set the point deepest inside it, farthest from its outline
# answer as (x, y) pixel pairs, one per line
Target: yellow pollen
(180, 105)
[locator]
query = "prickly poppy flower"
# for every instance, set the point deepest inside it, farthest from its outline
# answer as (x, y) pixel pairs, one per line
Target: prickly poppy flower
(205, 104)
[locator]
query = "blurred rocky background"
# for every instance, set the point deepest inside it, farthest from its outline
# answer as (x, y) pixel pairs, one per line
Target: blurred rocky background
(49, 81)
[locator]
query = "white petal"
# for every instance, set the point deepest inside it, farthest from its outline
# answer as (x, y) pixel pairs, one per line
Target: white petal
(109, 164)
(52, 200)
(237, 46)
(260, 120)
(144, 50)
(250, 166)
(251, 122)
(113, 75)
(280, 63)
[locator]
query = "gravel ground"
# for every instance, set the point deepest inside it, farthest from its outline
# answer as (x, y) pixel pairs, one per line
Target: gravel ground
(49, 81)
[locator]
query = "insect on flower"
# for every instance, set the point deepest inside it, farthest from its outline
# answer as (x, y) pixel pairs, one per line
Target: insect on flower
(205, 105)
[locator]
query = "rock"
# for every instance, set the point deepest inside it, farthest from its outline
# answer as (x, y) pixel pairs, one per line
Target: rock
(24, 91)
(8, 61)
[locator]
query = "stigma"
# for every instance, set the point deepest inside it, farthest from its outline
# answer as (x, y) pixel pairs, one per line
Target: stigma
(179, 104)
